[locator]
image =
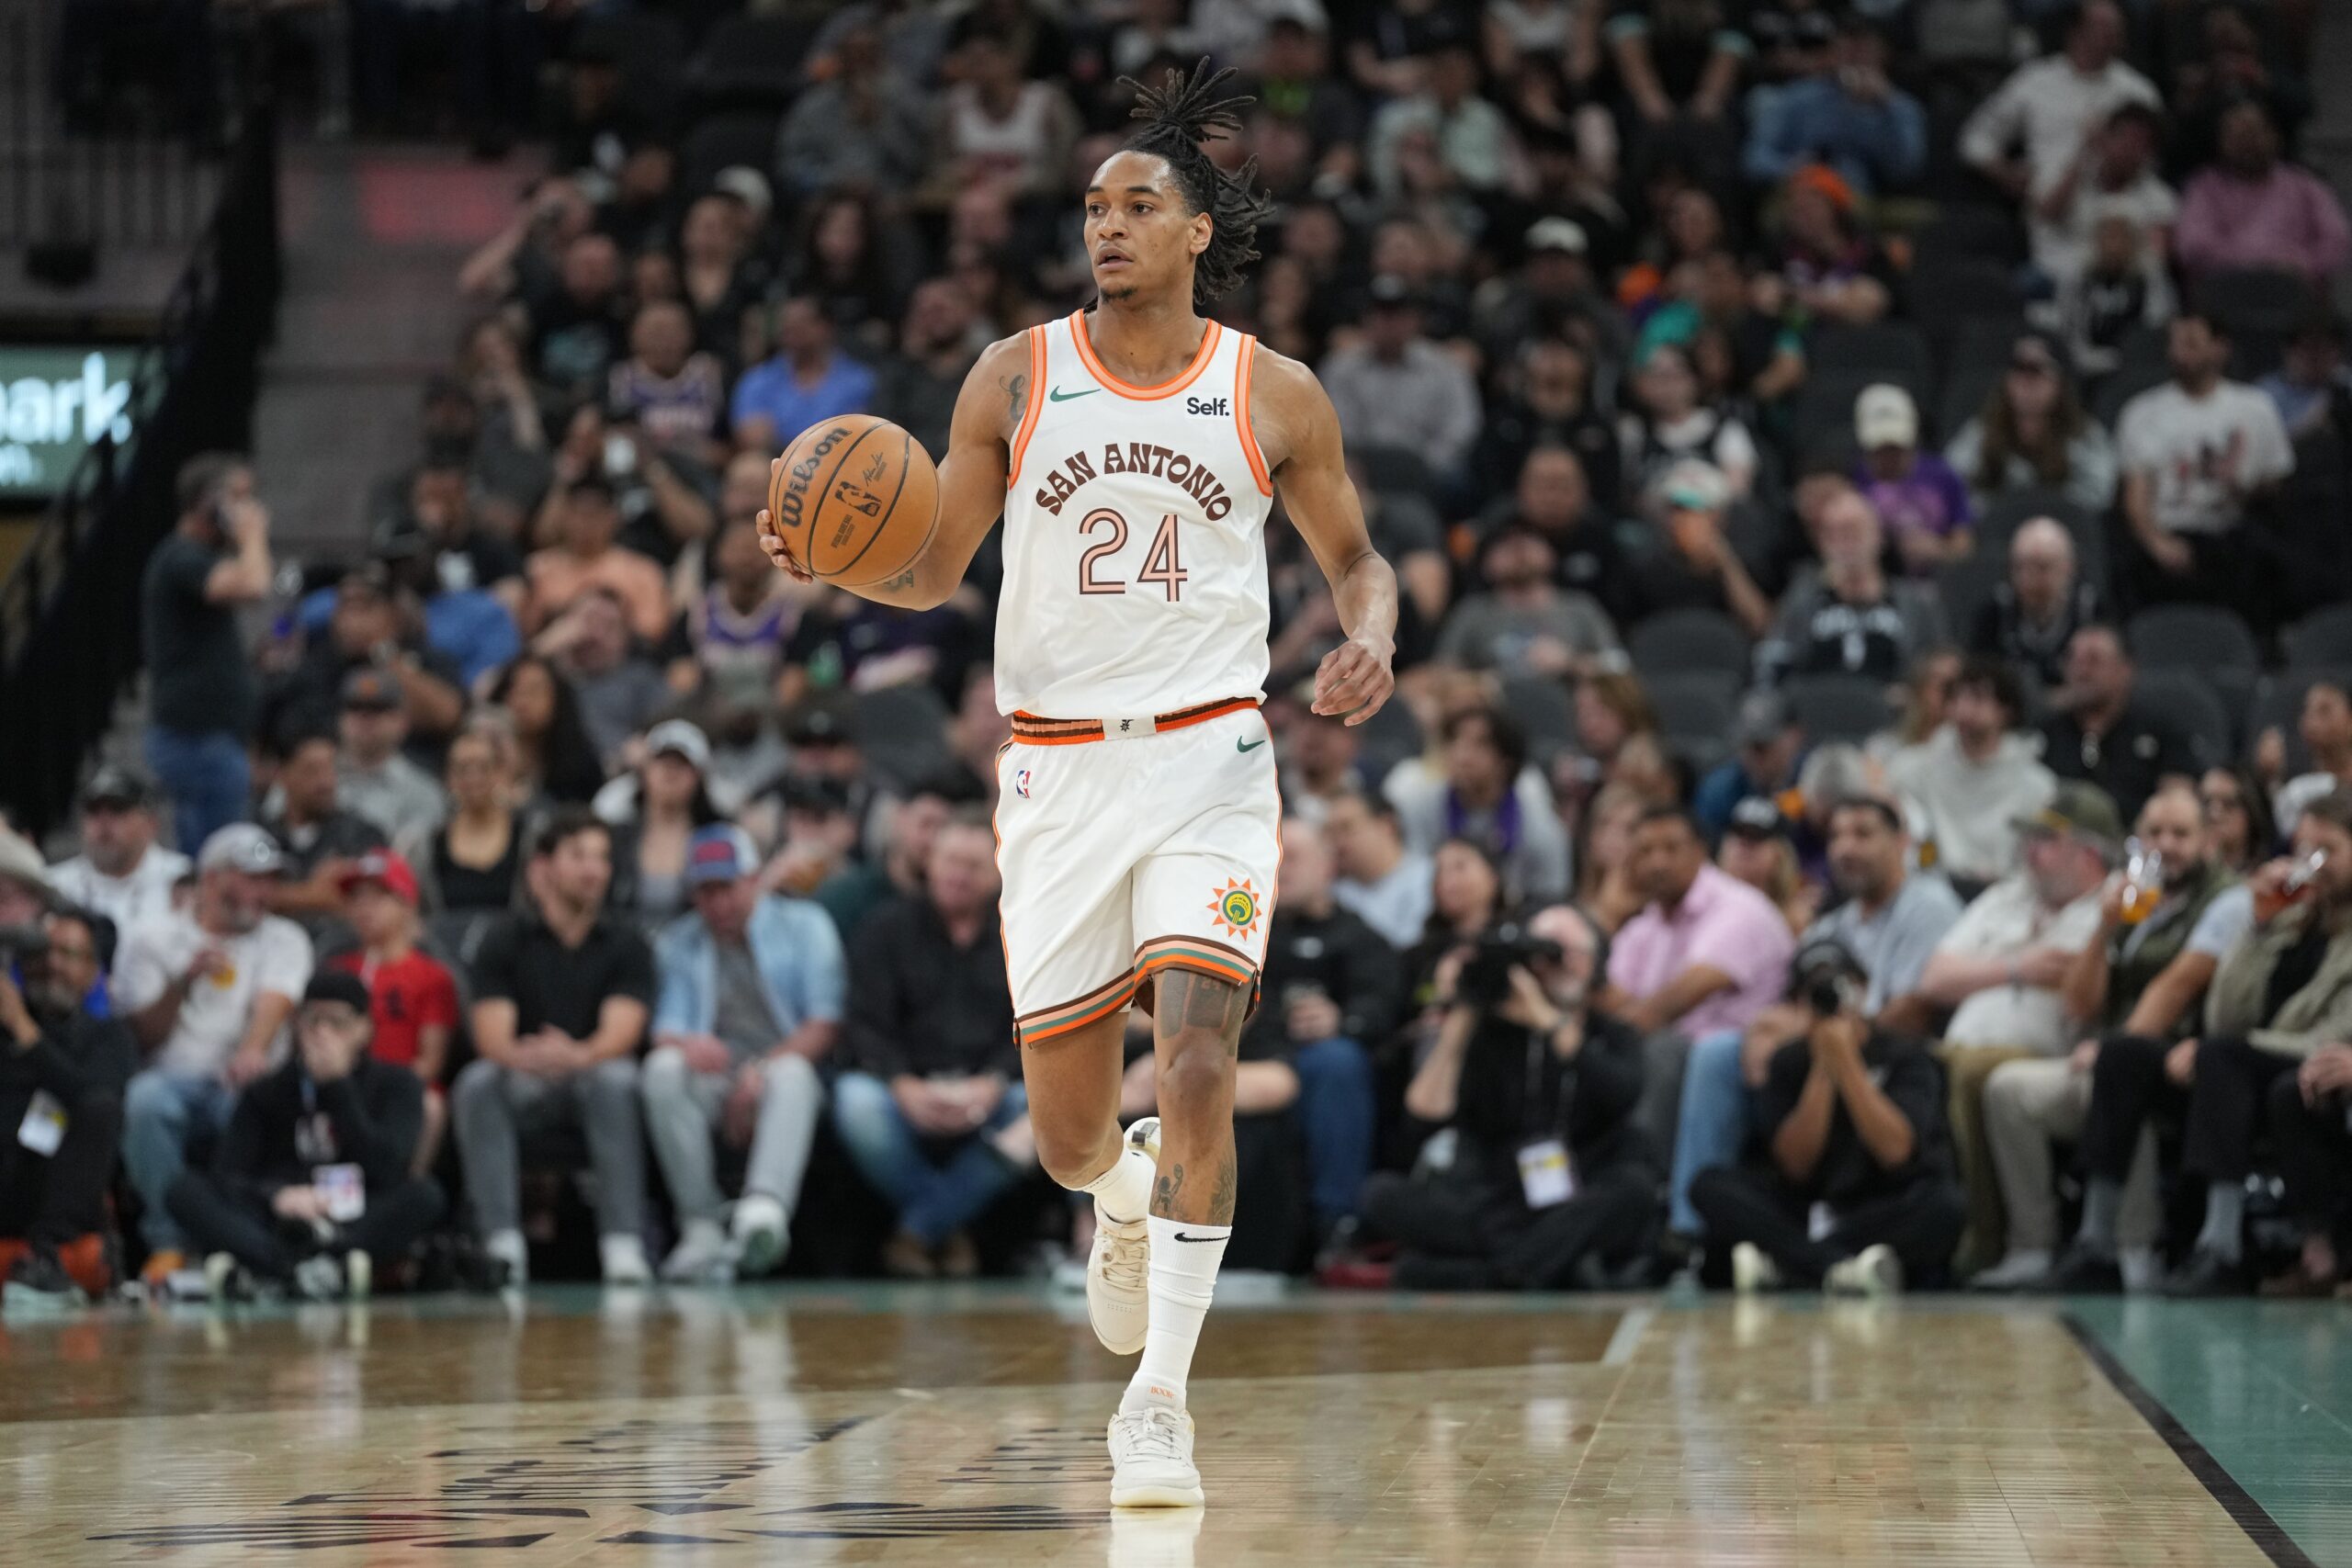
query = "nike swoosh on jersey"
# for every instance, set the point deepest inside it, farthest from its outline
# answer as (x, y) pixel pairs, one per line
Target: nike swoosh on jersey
(1241, 745)
(1055, 395)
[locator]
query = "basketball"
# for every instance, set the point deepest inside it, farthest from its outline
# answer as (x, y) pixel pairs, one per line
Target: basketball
(856, 498)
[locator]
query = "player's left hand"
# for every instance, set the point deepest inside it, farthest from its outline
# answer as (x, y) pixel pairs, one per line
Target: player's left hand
(1355, 678)
(773, 543)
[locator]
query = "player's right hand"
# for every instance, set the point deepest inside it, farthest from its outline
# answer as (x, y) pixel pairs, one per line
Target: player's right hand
(773, 542)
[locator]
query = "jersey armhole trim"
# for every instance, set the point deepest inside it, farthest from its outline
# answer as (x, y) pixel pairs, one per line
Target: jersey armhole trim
(1244, 362)
(1036, 400)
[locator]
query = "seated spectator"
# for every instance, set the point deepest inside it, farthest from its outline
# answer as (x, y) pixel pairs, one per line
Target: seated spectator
(1398, 388)
(659, 495)
(578, 331)
(471, 863)
(585, 560)
(122, 873)
(1317, 755)
(1524, 624)
(1553, 498)
(738, 628)
(2310, 1119)
(2279, 996)
(2112, 180)
(1889, 921)
(2140, 989)
(2026, 135)
(861, 126)
(1845, 616)
(1611, 710)
(668, 392)
(1767, 750)
(1523, 1049)
(2237, 814)
(2037, 608)
(374, 779)
(1484, 788)
(2248, 210)
(1472, 137)
(1670, 421)
(207, 993)
(367, 629)
(1706, 953)
(1677, 64)
(2101, 731)
(997, 125)
(751, 1003)
(2196, 451)
(619, 689)
(2000, 969)
(2311, 388)
(554, 759)
(1332, 984)
(489, 410)
(311, 1188)
(1755, 850)
(937, 348)
(1381, 881)
(654, 813)
(1831, 267)
(853, 269)
(720, 280)
(928, 1105)
(561, 993)
(411, 998)
(2033, 433)
(317, 839)
(1854, 1117)
(467, 623)
(61, 1050)
(1977, 777)
(1917, 495)
(1605, 892)
(1845, 114)
(808, 380)
(1535, 328)
(1466, 896)
(1691, 566)
(2325, 727)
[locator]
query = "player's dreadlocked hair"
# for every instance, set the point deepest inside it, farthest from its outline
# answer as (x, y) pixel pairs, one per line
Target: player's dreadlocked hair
(1179, 116)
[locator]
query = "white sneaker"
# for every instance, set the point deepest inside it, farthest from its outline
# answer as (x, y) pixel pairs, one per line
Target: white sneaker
(623, 1258)
(317, 1278)
(2144, 1271)
(1151, 1460)
(763, 1234)
(358, 1275)
(510, 1249)
(1116, 1303)
(1873, 1272)
(2017, 1271)
(700, 1256)
(220, 1280)
(1752, 1270)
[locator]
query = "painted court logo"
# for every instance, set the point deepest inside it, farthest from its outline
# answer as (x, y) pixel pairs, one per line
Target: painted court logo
(1236, 909)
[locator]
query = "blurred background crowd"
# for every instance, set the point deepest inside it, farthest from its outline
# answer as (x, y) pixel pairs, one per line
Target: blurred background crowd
(1870, 791)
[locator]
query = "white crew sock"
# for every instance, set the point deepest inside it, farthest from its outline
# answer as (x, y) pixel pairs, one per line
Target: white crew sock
(1183, 1280)
(1122, 1193)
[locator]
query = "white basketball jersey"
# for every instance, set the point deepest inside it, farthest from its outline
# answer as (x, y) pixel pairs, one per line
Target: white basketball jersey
(1134, 556)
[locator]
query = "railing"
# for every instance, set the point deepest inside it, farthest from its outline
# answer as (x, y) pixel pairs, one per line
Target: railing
(70, 611)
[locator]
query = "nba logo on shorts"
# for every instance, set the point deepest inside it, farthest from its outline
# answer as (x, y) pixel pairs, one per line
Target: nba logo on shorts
(1020, 783)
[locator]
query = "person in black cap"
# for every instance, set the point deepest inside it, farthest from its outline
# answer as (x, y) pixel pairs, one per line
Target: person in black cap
(367, 629)
(1859, 1194)
(310, 1188)
(1770, 746)
(122, 873)
(1756, 850)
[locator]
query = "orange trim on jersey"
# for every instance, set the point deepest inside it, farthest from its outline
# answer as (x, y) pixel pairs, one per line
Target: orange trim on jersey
(1031, 730)
(1036, 401)
(1243, 361)
(1167, 389)
(1194, 960)
(1098, 1004)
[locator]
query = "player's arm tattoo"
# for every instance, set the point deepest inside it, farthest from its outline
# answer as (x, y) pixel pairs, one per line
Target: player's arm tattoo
(1188, 1000)
(1016, 398)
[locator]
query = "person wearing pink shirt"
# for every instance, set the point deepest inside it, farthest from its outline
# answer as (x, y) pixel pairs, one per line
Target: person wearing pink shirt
(2249, 209)
(1706, 952)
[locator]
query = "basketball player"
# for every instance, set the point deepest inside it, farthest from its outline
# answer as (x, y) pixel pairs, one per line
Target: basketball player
(1134, 449)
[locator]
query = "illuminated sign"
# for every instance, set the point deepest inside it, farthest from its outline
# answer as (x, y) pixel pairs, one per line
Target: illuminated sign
(53, 403)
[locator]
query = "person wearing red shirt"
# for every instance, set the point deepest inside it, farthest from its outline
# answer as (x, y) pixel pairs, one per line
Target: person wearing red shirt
(411, 996)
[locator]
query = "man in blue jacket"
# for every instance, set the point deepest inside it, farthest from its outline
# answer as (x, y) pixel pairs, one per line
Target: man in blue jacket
(750, 1001)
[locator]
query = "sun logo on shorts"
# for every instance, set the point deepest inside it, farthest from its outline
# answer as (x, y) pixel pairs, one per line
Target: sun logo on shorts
(1236, 908)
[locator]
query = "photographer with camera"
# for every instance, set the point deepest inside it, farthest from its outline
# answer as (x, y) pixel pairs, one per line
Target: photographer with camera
(311, 1187)
(1551, 1179)
(62, 1070)
(1860, 1193)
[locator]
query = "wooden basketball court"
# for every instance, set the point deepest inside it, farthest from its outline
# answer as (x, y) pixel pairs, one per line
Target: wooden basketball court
(881, 1427)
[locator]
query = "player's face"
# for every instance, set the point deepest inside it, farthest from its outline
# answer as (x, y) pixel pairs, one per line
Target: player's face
(1139, 237)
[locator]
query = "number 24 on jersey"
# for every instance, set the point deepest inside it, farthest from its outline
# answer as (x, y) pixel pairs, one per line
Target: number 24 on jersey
(1161, 563)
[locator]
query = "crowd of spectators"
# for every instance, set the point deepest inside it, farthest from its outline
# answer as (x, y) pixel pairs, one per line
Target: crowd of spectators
(1870, 787)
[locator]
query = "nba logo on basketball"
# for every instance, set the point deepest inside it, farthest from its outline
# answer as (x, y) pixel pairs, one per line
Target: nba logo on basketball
(1020, 783)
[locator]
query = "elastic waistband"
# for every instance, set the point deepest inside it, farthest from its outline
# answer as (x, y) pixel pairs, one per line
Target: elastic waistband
(1031, 730)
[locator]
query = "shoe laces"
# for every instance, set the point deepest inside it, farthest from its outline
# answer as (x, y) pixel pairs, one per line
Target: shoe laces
(1124, 1258)
(1155, 1432)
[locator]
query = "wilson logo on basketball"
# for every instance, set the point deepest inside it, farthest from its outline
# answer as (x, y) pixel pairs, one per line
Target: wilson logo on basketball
(796, 494)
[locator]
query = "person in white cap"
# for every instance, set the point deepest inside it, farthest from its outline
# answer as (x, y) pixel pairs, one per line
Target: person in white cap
(206, 992)
(1923, 502)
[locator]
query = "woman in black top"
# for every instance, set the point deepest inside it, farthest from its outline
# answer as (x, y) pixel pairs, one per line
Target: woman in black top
(472, 861)
(554, 757)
